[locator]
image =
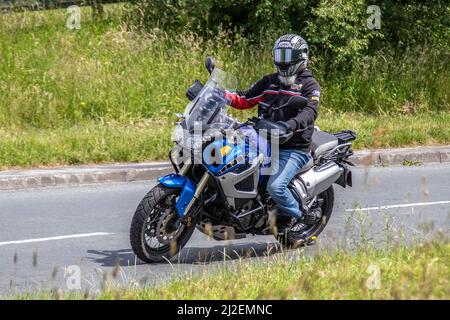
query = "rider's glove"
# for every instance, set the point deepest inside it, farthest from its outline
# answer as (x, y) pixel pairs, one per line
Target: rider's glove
(285, 131)
(284, 127)
(219, 94)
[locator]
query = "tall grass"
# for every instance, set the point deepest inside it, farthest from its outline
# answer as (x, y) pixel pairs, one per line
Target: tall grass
(405, 273)
(144, 140)
(420, 271)
(108, 75)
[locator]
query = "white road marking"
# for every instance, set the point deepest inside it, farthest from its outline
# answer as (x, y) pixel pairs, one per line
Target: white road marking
(71, 236)
(407, 205)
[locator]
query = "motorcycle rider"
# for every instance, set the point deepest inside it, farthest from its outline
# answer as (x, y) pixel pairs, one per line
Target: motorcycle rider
(290, 54)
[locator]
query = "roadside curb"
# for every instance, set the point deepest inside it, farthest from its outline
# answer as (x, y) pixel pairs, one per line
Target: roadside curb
(80, 175)
(402, 156)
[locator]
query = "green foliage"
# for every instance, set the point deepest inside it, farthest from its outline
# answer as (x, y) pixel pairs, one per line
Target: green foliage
(416, 271)
(413, 23)
(336, 29)
(60, 86)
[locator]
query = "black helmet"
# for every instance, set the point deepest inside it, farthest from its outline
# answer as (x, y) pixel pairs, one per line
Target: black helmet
(290, 55)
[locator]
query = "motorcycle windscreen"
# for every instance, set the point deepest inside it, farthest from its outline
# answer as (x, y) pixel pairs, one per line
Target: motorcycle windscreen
(209, 108)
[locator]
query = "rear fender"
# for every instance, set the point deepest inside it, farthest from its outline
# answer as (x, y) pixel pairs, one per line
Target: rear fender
(174, 180)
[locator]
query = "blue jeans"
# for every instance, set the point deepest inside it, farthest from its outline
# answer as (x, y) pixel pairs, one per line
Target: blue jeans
(289, 163)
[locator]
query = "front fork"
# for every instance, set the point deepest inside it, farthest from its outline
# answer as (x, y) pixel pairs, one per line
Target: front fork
(185, 168)
(187, 197)
(198, 191)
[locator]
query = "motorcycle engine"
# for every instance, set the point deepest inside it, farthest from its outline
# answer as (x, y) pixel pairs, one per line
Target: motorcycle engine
(250, 215)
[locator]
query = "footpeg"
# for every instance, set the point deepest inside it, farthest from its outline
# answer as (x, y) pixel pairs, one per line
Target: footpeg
(313, 216)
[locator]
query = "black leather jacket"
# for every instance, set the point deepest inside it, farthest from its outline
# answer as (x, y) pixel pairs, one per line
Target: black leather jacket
(271, 91)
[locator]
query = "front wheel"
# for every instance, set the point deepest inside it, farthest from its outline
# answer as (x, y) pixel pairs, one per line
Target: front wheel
(304, 234)
(156, 234)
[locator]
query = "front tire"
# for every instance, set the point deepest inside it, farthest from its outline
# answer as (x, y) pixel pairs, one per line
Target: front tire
(307, 235)
(148, 212)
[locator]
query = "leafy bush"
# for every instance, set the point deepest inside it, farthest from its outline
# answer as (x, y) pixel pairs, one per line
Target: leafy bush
(74, 96)
(336, 29)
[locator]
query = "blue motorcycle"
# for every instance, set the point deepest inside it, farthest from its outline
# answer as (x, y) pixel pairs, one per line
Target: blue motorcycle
(221, 170)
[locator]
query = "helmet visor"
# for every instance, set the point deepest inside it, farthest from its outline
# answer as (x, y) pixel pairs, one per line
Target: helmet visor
(286, 56)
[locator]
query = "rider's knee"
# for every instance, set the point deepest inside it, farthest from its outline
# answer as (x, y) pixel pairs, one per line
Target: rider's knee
(277, 190)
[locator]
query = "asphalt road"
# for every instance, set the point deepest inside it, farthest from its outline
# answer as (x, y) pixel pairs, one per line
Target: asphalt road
(45, 233)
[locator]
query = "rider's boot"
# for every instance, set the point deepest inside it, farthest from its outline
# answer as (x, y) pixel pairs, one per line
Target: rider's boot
(285, 223)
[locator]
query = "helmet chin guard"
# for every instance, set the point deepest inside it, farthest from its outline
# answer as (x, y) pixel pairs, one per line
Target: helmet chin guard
(287, 81)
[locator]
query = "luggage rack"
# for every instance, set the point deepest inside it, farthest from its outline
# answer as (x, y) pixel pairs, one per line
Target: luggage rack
(345, 136)
(343, 150)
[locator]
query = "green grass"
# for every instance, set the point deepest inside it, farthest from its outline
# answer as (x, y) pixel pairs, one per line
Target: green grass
(108, 93)
(84, 144)
(408, 273)
(144, 140)
(421, 271)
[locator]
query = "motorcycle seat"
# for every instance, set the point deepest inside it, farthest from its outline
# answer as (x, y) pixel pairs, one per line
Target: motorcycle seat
(321, 142)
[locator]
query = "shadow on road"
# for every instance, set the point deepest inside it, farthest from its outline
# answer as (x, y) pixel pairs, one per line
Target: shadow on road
(202, 255)
(111, 258)
(189, 255)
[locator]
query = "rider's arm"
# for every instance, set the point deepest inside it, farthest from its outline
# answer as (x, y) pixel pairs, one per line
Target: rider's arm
(307, 115)
(246, 99)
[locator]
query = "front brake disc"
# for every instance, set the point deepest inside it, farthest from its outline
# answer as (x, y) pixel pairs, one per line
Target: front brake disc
(164, 234)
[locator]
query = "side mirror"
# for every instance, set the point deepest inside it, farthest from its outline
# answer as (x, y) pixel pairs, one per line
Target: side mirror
(209, 64)
(194, 90)
(297, 101)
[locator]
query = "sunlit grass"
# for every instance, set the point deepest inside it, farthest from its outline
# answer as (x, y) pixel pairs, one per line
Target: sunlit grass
(421, 271)
(144, 140)
(406, 273)
(73, 96)
(88, 143)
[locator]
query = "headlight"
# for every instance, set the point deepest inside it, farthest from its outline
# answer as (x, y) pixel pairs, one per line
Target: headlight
(183, 137)
(193, 142)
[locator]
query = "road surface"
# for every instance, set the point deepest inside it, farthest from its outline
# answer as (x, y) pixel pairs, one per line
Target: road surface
(49, 236)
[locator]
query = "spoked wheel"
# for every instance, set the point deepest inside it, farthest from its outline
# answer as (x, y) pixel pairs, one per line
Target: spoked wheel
(304, 234)
(156, 234)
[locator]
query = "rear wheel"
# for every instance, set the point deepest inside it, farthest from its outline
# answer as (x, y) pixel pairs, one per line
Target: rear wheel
(156, 234)
(304, 234)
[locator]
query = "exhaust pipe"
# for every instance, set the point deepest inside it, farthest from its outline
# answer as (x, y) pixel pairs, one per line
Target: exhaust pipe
(316, 180)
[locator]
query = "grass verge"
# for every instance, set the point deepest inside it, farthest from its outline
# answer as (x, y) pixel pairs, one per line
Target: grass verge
(421, 271)
(144, 140)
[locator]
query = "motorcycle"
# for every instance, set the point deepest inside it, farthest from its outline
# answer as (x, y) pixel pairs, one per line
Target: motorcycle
(221, 171)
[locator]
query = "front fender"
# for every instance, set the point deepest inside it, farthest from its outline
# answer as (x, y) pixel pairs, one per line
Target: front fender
(174, 180)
